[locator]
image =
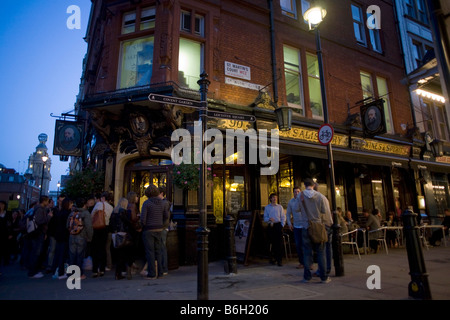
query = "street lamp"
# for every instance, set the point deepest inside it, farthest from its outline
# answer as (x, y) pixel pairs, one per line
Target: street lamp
(57, 192)
(315, 16)
(44, 159)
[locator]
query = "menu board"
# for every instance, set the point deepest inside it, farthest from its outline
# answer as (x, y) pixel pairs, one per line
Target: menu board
(243, 234)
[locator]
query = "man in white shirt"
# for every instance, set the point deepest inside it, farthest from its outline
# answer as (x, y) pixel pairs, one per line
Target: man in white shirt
(275, 217)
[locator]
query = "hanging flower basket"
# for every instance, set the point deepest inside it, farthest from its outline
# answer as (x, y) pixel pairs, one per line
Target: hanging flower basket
(187, 176)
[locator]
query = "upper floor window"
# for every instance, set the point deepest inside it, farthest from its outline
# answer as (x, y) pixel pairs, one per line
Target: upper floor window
(315, 94)
(374, 35)
(417, 10)
(288, 8)
(368, 91)
(190, 63)
(195, 25)
(293, 79)
(358, 24)
(136, 62)
(146, 20)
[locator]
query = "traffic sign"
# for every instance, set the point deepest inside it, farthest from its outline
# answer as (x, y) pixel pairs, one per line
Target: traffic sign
(231, 116)
(175, 100)
(325, 134)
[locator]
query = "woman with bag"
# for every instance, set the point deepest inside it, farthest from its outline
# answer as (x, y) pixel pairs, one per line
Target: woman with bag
(103, 210)
(121, 226)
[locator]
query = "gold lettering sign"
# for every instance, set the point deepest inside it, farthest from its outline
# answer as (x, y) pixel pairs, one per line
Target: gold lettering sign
(233, 124)
(377, 146)
(310, 135)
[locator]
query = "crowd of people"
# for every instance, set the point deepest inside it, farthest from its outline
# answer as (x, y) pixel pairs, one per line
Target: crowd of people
(48, 237)
(310, 204)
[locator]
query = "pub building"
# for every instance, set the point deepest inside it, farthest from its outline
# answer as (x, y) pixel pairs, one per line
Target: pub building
(261, 59)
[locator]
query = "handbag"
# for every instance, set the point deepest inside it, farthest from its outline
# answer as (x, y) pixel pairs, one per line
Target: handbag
(316, 230)
(99, 220)
(121, 239)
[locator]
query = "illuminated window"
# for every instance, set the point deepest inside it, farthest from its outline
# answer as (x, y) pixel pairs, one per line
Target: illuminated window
(293, 78)
(315, 94)
(136, 62)
(190, 63)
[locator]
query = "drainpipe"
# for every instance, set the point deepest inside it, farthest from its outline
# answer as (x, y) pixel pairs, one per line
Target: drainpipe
(272, 47)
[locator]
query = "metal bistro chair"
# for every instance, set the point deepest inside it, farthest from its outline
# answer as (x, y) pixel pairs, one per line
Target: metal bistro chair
(382, 238)
(351, 238)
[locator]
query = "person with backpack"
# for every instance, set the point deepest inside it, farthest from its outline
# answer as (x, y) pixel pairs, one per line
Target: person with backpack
(41, 219)
(62, 238)
(79, 224)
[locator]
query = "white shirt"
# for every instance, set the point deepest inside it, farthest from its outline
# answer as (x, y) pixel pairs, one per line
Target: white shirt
(108, 210)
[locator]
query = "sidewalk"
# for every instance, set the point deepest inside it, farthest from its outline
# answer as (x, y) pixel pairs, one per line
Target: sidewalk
(257, 281)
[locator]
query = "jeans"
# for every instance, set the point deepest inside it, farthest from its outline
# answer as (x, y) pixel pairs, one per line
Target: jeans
(152, 245)
(308, 248)
(299, 244)
(77, 249)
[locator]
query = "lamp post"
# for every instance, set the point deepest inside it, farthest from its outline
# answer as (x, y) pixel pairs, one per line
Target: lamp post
(314, 16)
(202, 230)
(44, 159)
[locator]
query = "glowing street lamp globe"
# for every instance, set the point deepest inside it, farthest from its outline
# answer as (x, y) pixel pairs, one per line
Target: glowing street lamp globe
(314, 15)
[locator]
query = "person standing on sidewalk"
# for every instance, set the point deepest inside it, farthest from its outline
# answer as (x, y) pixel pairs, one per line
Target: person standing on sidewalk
(164, 232)
(78, 242)
(100, 237)
(37, 238)
(293, 213)
(154, 212)
(275, 217)
(315, 207)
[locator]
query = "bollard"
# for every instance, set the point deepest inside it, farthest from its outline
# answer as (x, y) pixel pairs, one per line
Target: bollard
(230, 263)
(419, 287)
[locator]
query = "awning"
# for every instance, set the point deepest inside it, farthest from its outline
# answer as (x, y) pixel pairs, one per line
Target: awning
(430, 166)
(339, 154)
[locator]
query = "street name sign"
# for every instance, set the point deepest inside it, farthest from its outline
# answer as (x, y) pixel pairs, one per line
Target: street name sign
(231, 116)
(175, 100)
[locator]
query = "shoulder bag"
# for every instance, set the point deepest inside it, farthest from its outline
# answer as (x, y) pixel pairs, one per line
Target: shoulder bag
(99, 220)
(316, 230)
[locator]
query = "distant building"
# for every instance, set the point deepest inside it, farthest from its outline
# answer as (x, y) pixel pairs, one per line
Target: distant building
(15, 189)
(38, 172)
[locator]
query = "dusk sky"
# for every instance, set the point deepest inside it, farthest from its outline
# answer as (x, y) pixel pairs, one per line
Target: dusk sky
(40, 69)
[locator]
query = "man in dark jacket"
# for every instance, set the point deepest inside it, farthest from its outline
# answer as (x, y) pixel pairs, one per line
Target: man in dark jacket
(154, 212)
(42, 217)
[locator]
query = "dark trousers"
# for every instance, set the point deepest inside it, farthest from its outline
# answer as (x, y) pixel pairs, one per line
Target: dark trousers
(61, 256)
(98, 250)
(275, 233)
(37, 244)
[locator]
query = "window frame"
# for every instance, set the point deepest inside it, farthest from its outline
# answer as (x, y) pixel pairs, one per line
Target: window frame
(296, 70)
(289, 12)
(121, 57)
(361, 25)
